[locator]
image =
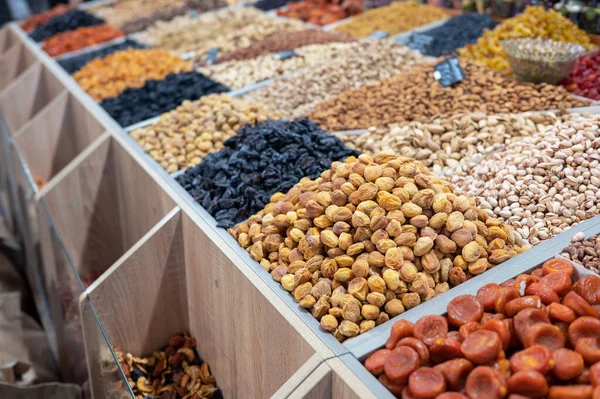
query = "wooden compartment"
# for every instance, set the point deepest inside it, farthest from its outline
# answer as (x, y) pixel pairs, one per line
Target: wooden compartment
(56, 135)
(22, 99)
(177, 279)
(7, 39)
(14, 61)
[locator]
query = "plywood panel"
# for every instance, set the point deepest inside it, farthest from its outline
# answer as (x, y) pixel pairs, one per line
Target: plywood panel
(28, 95)
(318, 385)
(345, 383)
(56, 135)
(247, 342)
(104, 204)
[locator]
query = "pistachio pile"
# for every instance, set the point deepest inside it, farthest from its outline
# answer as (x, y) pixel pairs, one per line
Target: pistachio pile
(417, 95)
(239, 74)
(371, 238)
(447, 142)
(365, 62)
(543, 184)
(175, 372)
(184, 136)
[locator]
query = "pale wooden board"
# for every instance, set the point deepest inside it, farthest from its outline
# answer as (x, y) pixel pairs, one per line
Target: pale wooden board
(318, 385)
(9, 65)
(250, 347)
(299, 377)
(103, 205)
(22, 99)
(345, 384)
(56, 135)
(7, 39)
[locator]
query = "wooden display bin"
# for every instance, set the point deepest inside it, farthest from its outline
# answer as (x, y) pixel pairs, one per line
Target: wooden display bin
(177, 279)
(56, 135)
(13, 62)
(27, 95)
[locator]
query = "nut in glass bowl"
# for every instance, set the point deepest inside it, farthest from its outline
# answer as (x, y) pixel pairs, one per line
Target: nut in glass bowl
(541, 60)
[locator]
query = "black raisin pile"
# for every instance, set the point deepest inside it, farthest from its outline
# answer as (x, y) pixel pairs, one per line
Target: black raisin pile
(236, 182)
(457, 32)
(268, 5)
(158, 96)
(75, 63)
(70, 20)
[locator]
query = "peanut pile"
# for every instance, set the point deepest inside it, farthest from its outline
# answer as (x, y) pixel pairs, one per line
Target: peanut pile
(393, 19)
(109, 76)
(542, 184)
(447, 142)
(184, 136)
(370, 238)
(417, 95)
(534, 22)
(366, 62)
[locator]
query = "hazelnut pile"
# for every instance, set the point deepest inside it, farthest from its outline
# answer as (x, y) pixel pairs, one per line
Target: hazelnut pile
(371, 238)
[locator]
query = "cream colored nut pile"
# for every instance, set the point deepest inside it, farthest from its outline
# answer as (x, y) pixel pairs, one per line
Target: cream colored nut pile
(184, 136)
(238, 74)
(447, 142)
(367, 63)
(370, 238)
(543, 184)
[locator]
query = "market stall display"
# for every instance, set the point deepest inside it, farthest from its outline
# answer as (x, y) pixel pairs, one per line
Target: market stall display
(157, 96)
(543, 184)
(184, 136)
(533, 336)
(321, 12)
(584, 78)
(79, 38)
(534, 22)
(368, 63)
(109, 76)
(396, 18)
(370, 238)
(417, 95)
(358, 183)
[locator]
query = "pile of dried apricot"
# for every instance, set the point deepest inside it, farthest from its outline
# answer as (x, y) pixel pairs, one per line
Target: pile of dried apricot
(536, 336)
(79, 38)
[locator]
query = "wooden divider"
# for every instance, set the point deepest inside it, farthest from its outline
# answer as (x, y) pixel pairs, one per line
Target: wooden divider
(102, 204)
(7, 39)
(56, 135)
(176, 279)
(27, 95)
(13, 62)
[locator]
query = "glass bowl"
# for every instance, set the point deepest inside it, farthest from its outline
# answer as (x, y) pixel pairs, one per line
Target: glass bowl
(541, 60)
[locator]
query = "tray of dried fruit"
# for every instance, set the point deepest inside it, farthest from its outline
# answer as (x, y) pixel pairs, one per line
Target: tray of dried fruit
(534, 323)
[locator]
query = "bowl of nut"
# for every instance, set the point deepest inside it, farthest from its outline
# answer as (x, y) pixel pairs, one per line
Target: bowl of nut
(540, 60)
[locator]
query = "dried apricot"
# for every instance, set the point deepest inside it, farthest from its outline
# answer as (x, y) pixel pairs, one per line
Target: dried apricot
(559, 282)
(561, 312)
(588, 288)
(430, 328)
(583, 327)
(464, 309)
(400, 362)
(400, 329)
(482, 346)
(535, 357)
(484, 383)
(568, 364)
(500, 328)
(589, 348)
(488, 295)
(394, 387)
(444, 349)
(375, 362)
(558, 265)
(507, 295)
(526, 318)
(570, 392)
(418, 346)
(455, 372)
(426, 383)
(529, 383)
(546, 335)
(516, 305)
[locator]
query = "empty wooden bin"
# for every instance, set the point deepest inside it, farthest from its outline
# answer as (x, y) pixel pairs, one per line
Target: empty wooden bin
(178, 278)
(13, 62)
(27, 95)
(56, 135)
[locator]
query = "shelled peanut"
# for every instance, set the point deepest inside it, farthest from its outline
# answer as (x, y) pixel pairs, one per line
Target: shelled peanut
(174, 372)
(365, 62)
(109, 76)
(184, 136)
(584, 251)
(534, 22)
(416, 95)
(370, 238)
(79, 38)
(446, 142)
(238, 74)
(393, 19)
(542, 184)
(535, 336)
